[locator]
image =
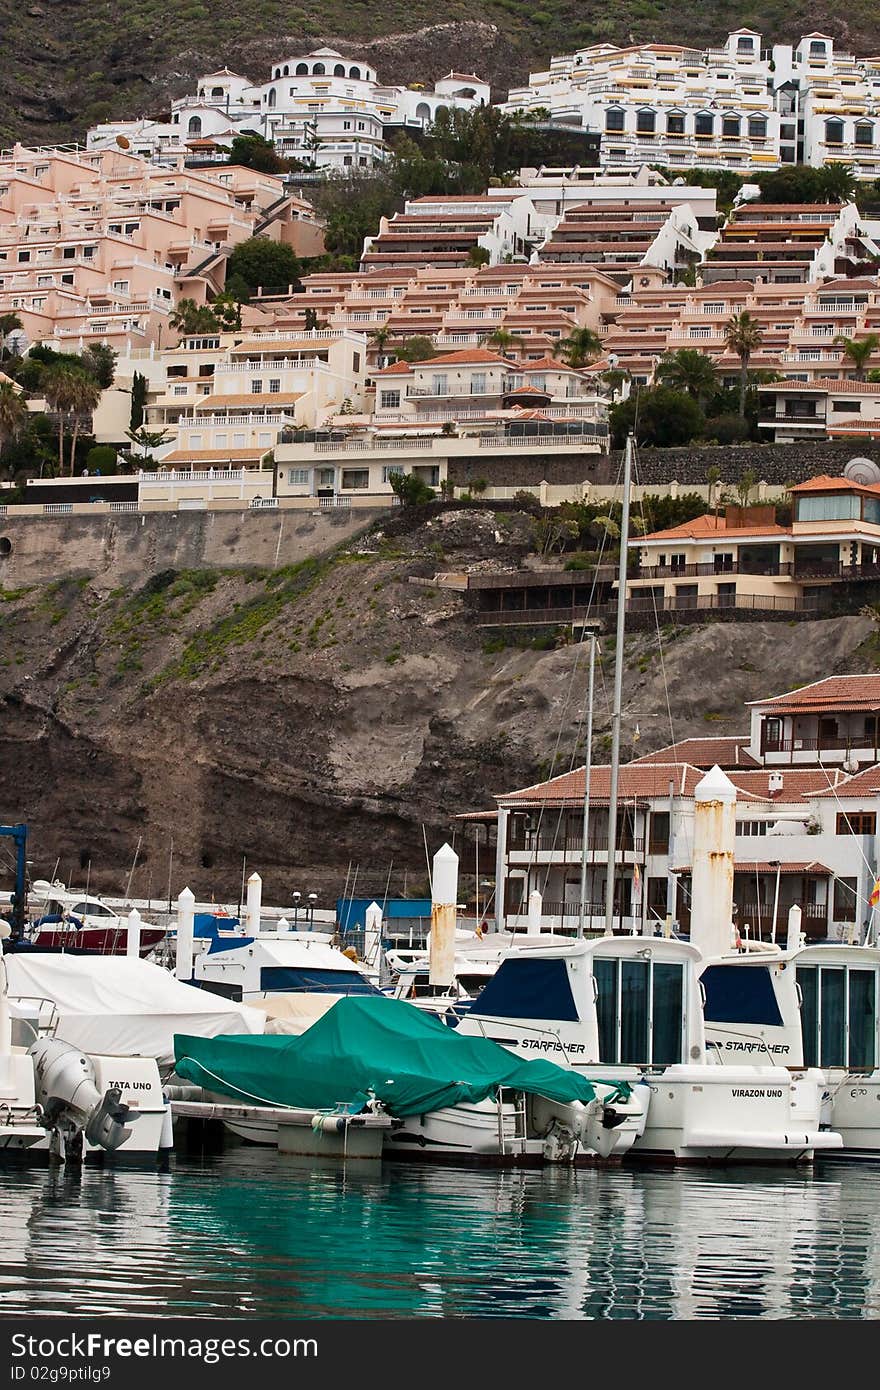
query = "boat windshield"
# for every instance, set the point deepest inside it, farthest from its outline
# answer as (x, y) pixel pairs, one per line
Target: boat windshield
(838, 1016)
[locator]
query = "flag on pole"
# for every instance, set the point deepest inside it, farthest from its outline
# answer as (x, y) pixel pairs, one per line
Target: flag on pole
(637, 882)
(875, 894)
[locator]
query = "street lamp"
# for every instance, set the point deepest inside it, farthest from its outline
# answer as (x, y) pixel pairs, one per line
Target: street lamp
(313, 898)
(296, 898)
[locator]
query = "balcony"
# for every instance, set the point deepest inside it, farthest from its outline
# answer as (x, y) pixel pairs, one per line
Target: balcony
(772, 568)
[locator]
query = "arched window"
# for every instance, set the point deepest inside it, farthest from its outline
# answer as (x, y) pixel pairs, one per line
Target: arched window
(301, 70)
(423, 111)
(675, 123)
(704, 123)
(286, 70)
(817, 48)
(339, 70)
(646, 122)
(864, 133)
(355, 72)
(195, 125)
(318, 70)
(615, 118)
(217, 92)
(745, 44)
(272, 97)
(834, 132)
(757, 127)
(730, 127)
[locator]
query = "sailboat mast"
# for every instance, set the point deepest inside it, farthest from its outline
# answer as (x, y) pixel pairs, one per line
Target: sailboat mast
(585, 838)
(618, 687)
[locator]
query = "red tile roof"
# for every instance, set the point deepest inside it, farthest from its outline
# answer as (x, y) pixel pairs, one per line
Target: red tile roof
(394, 369)
(638, 781)
(798, 784)
(831, 693)
(865, 783)
(702, 527)
(704, 753)
(753, 866)
(478, 356)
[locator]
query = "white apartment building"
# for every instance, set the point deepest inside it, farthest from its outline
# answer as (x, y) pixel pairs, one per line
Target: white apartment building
(321, 108)
(739, 106)
(224, 399)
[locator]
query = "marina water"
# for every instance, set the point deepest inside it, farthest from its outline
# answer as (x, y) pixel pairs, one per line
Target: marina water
(242, 1234)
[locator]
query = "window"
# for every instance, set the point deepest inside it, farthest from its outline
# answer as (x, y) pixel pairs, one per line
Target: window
(640, 1010)
(392, 470)
(355, 478)
(675, 124)
(646, 122)
(256, 385)
(847, 407)
(817, 48)
(26, 255)
(845, 894)
(730, 126)
(298, 477)
(615, 119)
(704, 124)
(839, 507)
(834, 132)
(856, 823)
(274, 385)
(389, 400)
(355, 361)
(238, 441)
(864, 134)
(757, 127)
(752, 827)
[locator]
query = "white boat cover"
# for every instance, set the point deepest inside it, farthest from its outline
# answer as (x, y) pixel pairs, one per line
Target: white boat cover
(122, 1007)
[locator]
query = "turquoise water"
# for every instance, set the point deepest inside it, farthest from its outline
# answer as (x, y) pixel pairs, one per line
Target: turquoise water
(251, 1234)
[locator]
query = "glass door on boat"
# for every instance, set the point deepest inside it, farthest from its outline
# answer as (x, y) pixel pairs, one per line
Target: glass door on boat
(640, 1007)
(838, 1016)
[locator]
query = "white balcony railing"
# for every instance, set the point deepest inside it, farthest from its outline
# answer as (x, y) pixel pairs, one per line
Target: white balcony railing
(123, 506)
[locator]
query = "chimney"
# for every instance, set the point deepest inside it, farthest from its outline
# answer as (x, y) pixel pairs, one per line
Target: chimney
(712, 874)
(774, 783)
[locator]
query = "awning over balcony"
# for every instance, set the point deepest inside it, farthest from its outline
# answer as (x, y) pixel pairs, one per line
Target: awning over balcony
(814, 868)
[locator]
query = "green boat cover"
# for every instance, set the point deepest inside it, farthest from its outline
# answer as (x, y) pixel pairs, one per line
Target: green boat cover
(371, 1046)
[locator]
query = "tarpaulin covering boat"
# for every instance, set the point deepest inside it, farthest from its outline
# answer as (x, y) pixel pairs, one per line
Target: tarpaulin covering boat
(367, 1047)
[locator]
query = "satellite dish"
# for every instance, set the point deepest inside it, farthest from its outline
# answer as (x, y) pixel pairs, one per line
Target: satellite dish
(863, 471)
(123, 142)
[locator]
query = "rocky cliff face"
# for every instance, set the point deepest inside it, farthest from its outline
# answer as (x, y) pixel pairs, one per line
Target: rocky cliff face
(328, 715)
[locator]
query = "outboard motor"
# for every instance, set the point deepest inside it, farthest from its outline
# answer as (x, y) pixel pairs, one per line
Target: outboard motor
(72, 1104)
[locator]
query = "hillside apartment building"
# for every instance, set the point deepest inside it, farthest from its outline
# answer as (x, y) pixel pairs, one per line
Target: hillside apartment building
(326, 110)
(100, 247)
(808, 795)
(739, 106)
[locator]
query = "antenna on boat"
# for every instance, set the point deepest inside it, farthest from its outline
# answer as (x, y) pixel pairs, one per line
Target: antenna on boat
(618, 686)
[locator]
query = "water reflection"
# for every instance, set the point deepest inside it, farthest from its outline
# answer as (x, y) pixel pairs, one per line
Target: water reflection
(253, 1235)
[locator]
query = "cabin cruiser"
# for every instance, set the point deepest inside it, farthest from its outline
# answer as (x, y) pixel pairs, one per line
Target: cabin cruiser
(628, 1008)
(805, 1007)
(293, 967)
(72, 921)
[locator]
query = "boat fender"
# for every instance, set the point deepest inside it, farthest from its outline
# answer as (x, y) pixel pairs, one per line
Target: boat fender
(166, 1136)
(329, 1124)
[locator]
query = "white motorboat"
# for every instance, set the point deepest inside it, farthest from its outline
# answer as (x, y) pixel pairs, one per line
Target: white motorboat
(254, 968)
(805, 1008)
(629, 1008)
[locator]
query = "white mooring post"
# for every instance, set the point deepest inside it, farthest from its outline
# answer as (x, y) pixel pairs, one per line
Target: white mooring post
(712, 881)
(254, 904)
(133, 934)
(793, 939)
(536, 907)
(444, 900)
(372, 934)
(186, 907)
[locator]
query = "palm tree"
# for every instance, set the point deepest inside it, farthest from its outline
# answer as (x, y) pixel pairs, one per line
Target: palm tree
(86, 393)
(689, 370)
(380, 337)
(857, 351)
(580, 347)
(60, 386)
(743, 335)
(13, 413)
(8, 324)
(504, 341)
(190, 317)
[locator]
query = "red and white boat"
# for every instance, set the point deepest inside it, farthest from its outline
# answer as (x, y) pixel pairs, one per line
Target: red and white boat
(71, 921)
